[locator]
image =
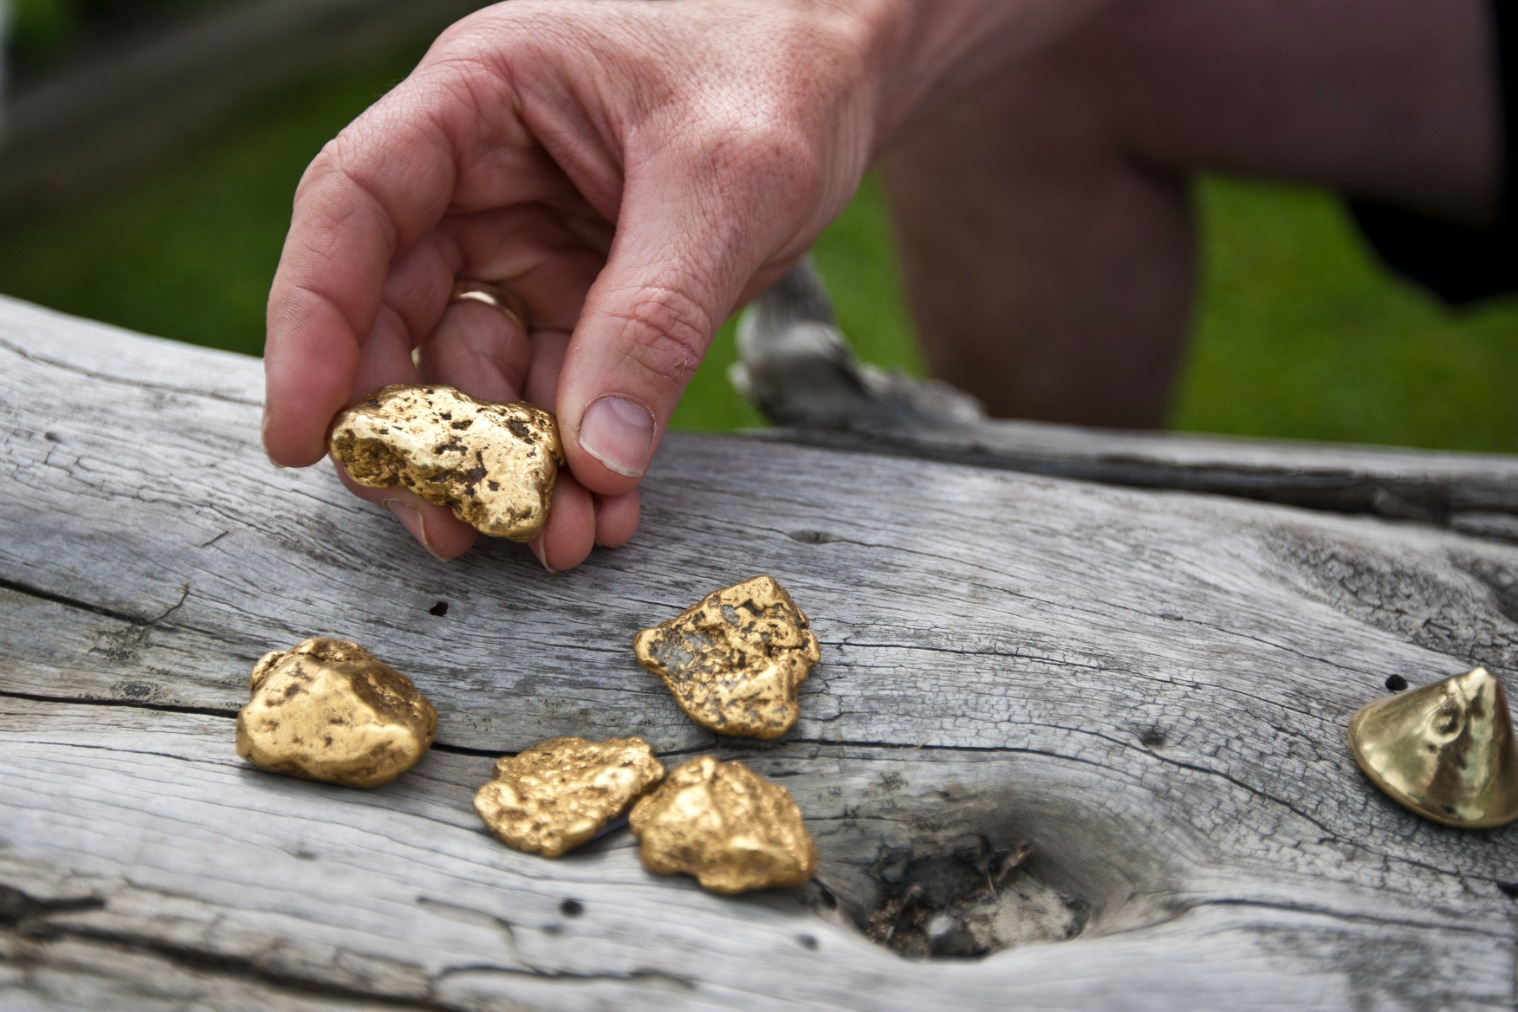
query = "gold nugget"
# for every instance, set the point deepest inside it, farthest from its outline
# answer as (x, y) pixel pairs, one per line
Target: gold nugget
(330, 710)
(726, 825)
(736, 660)
(1446, 751)
(555, 796)
(494, 465)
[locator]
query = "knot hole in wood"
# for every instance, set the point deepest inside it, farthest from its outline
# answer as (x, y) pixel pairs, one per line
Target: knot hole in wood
(963, 872)
(966, 899)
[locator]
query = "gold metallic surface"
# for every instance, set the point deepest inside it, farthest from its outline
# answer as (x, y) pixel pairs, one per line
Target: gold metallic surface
(494, 465)
(497, 297)
(1446, 750)
(726, 825)
(735, 661)
(330, 710)
(557, 795)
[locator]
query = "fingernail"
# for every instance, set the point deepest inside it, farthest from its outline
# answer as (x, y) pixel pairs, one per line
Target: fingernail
(618, 433)
(411, 519)
(536, 544)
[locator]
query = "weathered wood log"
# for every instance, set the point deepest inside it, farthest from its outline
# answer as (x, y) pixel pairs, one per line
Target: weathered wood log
(798, 369)
(1102, 727)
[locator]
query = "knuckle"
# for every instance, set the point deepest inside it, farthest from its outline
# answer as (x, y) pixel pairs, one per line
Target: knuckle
(397, 148)
(318, 174)
(782, 149)
(336, 181)
(665, 333)
(775, 161)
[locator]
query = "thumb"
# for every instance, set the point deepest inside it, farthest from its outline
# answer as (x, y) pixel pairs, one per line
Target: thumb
(685, 249)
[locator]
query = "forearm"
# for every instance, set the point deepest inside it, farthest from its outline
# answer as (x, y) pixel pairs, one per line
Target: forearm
(922, 52)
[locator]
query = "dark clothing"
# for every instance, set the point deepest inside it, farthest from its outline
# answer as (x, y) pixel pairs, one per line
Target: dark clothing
(1461, 263)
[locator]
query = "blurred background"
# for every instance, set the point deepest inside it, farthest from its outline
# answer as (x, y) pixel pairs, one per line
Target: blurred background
(151, 147)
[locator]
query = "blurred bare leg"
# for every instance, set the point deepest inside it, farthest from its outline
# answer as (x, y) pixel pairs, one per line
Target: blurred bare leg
(1045, 221)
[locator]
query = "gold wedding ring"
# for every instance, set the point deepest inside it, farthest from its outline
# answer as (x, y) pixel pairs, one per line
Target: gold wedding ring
(499, 297)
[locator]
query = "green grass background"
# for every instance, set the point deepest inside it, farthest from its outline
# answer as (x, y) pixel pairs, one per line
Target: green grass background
(1298, 332)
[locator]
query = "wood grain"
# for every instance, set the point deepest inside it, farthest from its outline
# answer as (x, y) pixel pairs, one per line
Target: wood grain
(1150, 688)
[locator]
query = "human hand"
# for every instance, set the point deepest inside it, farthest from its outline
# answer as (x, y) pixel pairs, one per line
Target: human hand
(631, 171)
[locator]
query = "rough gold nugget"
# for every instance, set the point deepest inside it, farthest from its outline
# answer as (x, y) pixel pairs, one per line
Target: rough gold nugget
(330, 710)
(736, 660)
(555, 796)
(494, 465)
(726, 825)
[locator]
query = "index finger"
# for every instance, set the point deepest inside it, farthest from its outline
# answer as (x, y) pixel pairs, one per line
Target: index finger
(384, 181)
(448, 138)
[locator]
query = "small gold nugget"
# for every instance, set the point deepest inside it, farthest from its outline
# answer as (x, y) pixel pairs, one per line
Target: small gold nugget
(330, 710)
(494, 465)
(726, 825)
(555, 796)
(736, 660)
(1446, 750)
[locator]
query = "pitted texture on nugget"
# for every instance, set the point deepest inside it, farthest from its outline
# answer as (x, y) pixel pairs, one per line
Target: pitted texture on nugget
(494, 465)
(726, 825)
(558, 795)
(735, 661)
(328, 709)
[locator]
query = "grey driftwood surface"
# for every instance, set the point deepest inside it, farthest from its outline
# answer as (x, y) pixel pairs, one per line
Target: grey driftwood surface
(1148, 688)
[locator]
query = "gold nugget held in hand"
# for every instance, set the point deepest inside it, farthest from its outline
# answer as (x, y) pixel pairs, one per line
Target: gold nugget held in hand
(557, 795)
(726, 825)
(735, 661)
(494, 465)
(330, 710)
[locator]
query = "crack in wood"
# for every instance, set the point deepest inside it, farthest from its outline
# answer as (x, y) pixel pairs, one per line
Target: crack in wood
(526, 967)
(543, 973)
(131, 704)
(184, 595)
(977, 651)
(231, 714)
(19, 907)
(72, 602)
(229, 966)
(196, 392)
(470, 750)
(1340, 915)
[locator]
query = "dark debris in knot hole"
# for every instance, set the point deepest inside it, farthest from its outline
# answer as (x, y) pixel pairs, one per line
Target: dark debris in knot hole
(967, 901)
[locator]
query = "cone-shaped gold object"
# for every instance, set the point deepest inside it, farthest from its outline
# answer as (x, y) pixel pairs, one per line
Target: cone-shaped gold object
(1446, 750)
